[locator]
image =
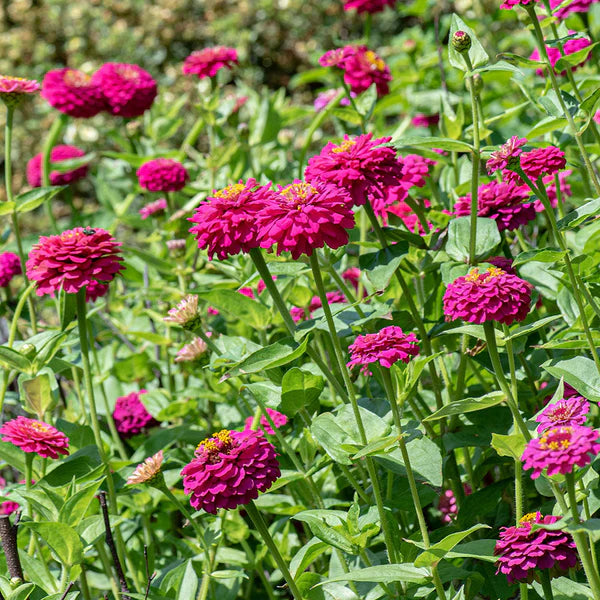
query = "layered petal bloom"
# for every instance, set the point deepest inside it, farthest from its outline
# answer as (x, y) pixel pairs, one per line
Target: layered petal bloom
(10, 266)
(35, 436)
(368, 6)
(148, 471)
(565, 412)
(387, 346)
(192, 351)
(559, 449)
(508, 152)
(363, 68)
(131, 416)
(73, 93)
(490, 296)
(162, 175)
(569, 47)
(129, 90)
(502, 202)
(58, 154)
(209, 61)
(543, 161)
(302, 217)
(279, 420)
(152, 208)
(14, 89)
(521, 552)
(361, 165)
(185, 313)
(226, 221)
(229, 470)
(73, 259)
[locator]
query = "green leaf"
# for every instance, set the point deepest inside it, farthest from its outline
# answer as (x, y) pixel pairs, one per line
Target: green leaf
(459, 232)
(68, 305)
(545, 255)
(547, 125)
(509, 445)
(531, 327)
(588, 108)
(239, 307)
(381, 265)
(29, 201)
(564, 588)
(580, 372)
(479, 549)
(574, 58)
(431, 143)
(435, 553)
(75, 507)
(501, 65)
(7, 208)
(275, 355)
(306, 556)
(521, 60)
(62, 166)
(476, 53)
(299, 389)
(460, 407)
(580, 214)
(404, 572)
(163, 266)
(136, 367)
(63, 540)
(36, 392)
(332, 535)
(22, 592)
(11, 359)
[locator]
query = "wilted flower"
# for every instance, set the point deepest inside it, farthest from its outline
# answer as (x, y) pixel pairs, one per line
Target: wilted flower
(14, 89)
(279, 420)
(565, 412)
(368, 6)
(162, 175)
(35, 436)
(229, 470)
(148, 471)
(58, 154)
(192, 351)
(131, 416)
(185, 313)
(507, 154)
(73, 93)
(10, 265)
(209, 61)
(73, 259)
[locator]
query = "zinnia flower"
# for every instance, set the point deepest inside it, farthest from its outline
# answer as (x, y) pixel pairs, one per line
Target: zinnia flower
(543, 161)
(502, 202)
(261, 286)
(162, 175)
(565, 412)
(131, 416)
(73, 259)
(490, 296)
(387, 346)
(502, 263)
(550, 185)
(521, 553)
(352, 276)
(73, 93)
(447, 503)
(153, 208)
(247, 291)
(148, 471)
(209, 61)
(185, 313)
(363, 68)
(422, 120)
(508, 152)
(35, 436)
(560, 449)
(368, 6)
(129, 90)
(302, 217)
(10, 265)
(508, 4)
(226, 221)
(229, 470)
(569, 47)
(575, 6)
(8, 507)
(192, 351)
(279, 420)
(58, 154)
(14, 89)
(360, 165)
(407, 215)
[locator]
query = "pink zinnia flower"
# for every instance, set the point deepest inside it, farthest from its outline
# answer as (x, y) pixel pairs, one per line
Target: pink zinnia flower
(502, 202)
(10, 265)
(162, 175)
(8, 507)
(35, 436)
(569, 47)
(73, 93)
(302, 217)
(131, 416)
(565, 412)
(560, 449)
(490, 296)
(521, 552)
(149, 471)
(158, 206)
(17, 85)
(226, 221)
(58, 154)
(422, 120)
(447, 503)
(73, 259)
(261, 286)
(247, 291)
(368, 6)
(279, 420)
(229, 470)
(298, 314)
(507, 153)
(575, 6)
(336, 57)
(352, 276)
(363, 68)
(129, 90)
(543, 161)
(360, 165)
(508, 4)
(386, 347)
(191, 352)
(209, 61)
(95, 290)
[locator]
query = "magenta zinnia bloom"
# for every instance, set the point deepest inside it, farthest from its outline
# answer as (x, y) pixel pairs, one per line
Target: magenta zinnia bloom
(73, 259)
(229, 470)
(58, 154)
(129, 90)
(162, 175)
(422, 120)
(73, 92)
(509, 151)
(508, 4)
(560, 449)
(261, 286)
(336, 57)
(521, 552)
(360, 165)
(490, 296)
(209, 61)
(550, 185)
(35, 436)
(158, 206)
(565, 412)
(302, 217)
(406, 214)
(247, 291)
(575, 6)
(502, 202)
(363, 68)
(279, 420)
(386, 347)
(352, 276)
(447, 503)
(543, 161)
(226, 221)
(368, 6)
(10, 265)
(569, 47)
(131, 416)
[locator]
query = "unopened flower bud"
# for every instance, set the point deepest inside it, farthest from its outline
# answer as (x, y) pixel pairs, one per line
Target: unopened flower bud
(28, 350)
(176, 247)
(461, 41)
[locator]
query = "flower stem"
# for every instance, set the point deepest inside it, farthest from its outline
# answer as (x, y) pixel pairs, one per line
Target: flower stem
(263, 530)
(546, 585)
(57, 126)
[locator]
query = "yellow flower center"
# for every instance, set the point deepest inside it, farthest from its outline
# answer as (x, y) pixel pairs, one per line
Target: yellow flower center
(557, 438)
(344, 146)
(474, 275)
(128, 72)
(76, 78)
(298, 192)
(40, 427)
(229, 192)
(374, 60)
(528, 518)
(219, 442)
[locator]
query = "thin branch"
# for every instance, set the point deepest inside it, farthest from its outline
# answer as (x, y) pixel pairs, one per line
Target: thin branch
(71, 583)
(8, 536)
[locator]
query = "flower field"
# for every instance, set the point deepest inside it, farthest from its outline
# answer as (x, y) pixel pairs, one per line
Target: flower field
(333, 338)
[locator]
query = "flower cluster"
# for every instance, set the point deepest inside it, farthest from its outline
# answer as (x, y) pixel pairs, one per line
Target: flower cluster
(35, 436)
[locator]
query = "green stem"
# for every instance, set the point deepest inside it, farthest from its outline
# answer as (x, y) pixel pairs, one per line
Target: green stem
(192, 136)
(162, 486)
(57, 126)
(546, 585)
(263, 530)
